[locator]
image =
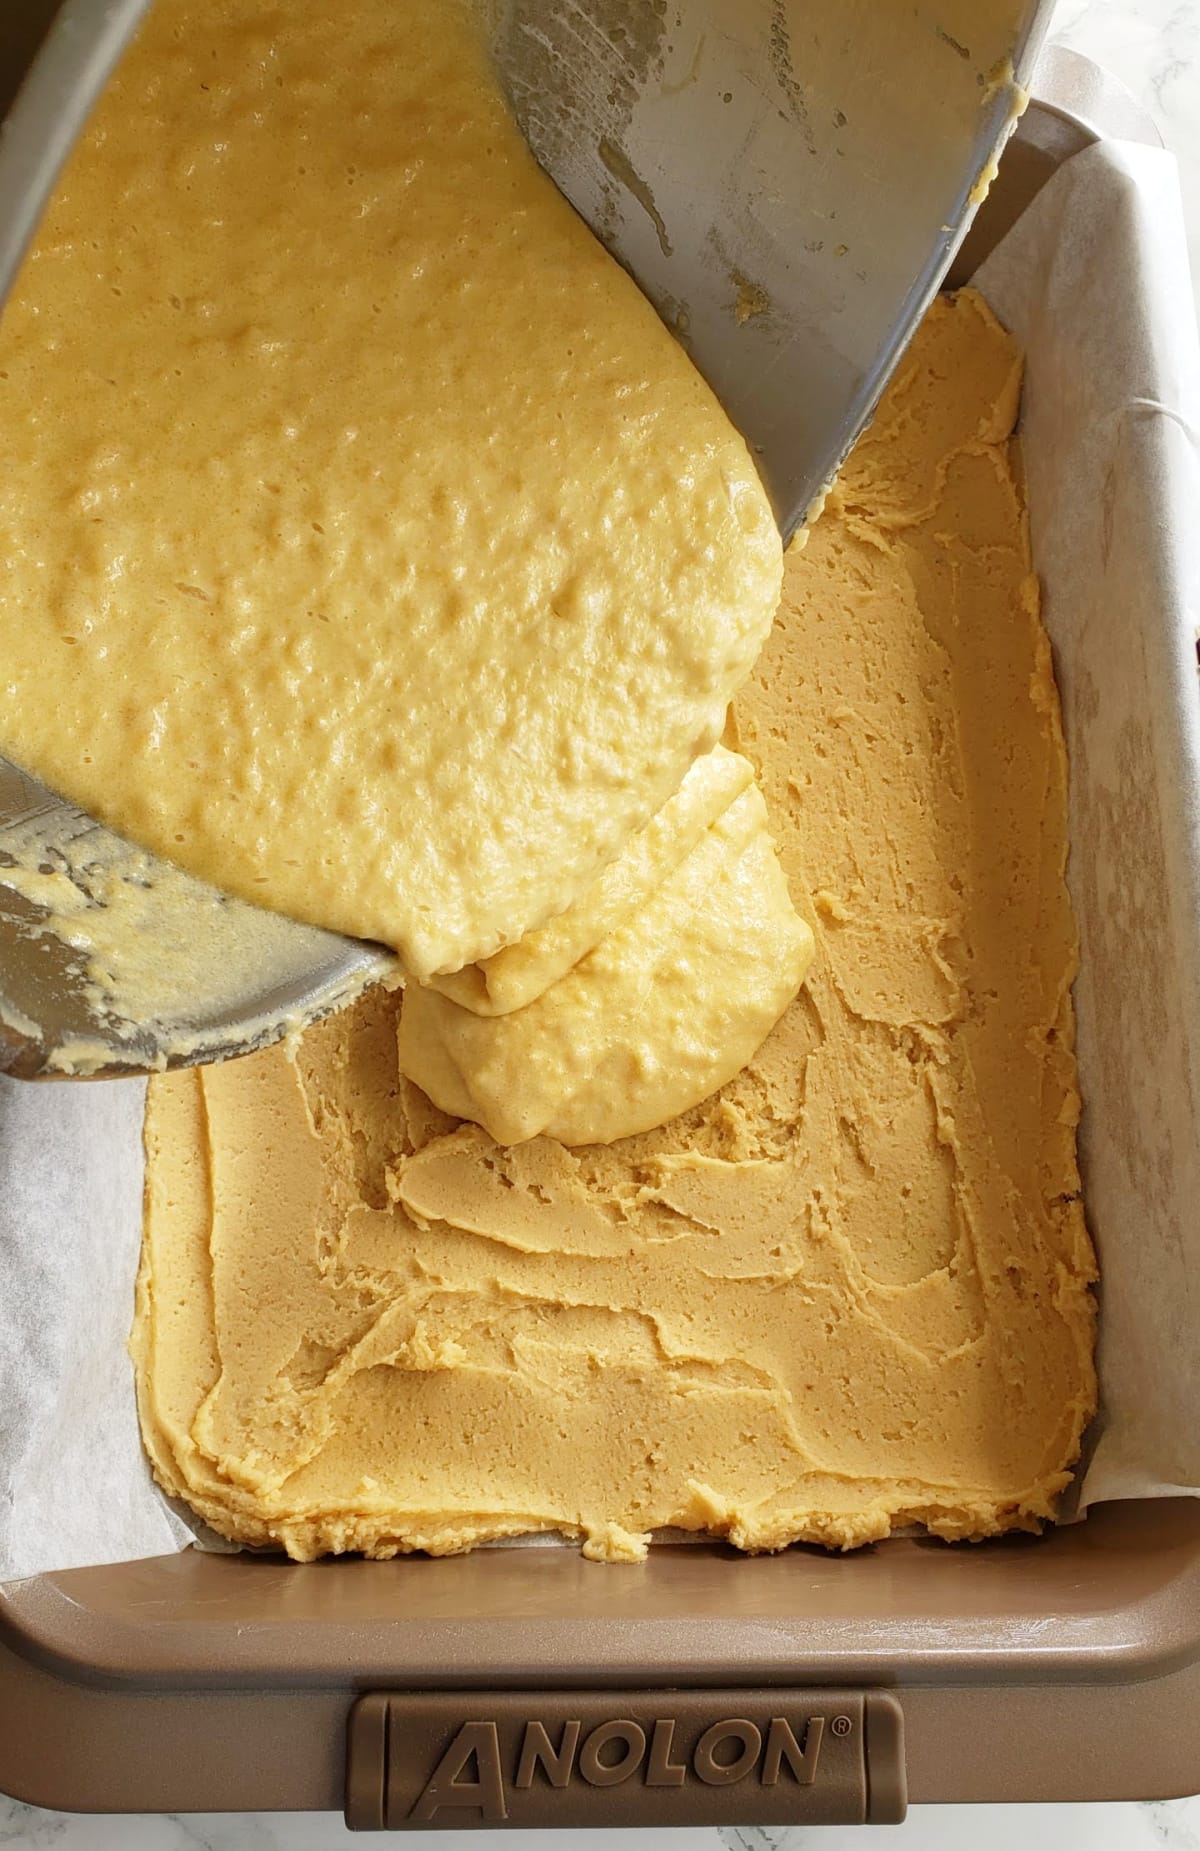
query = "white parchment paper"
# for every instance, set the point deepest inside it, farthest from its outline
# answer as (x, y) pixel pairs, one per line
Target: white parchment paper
(1093, 280)
(74, 1486)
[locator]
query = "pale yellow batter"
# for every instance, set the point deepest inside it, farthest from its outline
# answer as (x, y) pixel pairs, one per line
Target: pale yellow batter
(849, 1292)
(669, 1003)
(370, 549)
(524, 971)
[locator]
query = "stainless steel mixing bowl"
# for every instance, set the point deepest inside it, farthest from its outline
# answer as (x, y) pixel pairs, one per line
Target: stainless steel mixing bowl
(786, 179)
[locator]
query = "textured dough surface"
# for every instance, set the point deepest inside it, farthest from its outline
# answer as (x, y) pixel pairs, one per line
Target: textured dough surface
(369, 547)
(849, 1292)
(667, 1006)
(520, 973)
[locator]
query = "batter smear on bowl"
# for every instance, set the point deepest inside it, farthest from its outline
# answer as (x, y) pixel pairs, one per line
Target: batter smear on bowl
(848, 1292)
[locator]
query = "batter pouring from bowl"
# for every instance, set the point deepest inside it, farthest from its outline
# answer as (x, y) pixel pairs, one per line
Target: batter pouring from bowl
(371, 549)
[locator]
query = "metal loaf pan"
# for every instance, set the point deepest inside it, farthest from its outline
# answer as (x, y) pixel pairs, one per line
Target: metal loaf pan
(1060, 1668)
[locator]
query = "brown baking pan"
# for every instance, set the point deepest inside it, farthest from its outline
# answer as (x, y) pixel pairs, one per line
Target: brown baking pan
(1065, 1667)
(527, 1687)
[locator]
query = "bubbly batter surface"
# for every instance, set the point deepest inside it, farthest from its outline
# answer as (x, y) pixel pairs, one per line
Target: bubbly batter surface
(369, 547)
(687, 951)
(849, 1292)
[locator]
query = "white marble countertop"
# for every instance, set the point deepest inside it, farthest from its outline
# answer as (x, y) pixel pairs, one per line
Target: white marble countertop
(1154, 46)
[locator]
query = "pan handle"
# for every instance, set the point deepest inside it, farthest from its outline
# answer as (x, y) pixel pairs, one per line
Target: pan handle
(417, 1759)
